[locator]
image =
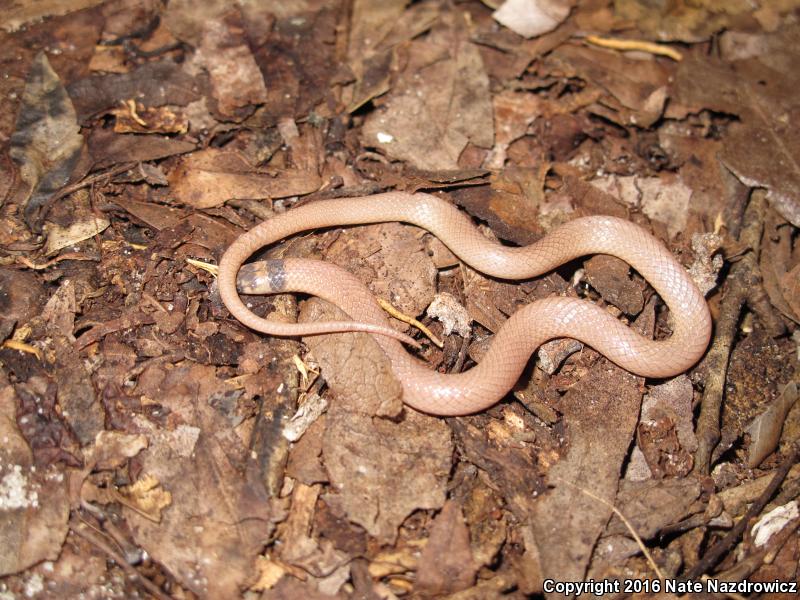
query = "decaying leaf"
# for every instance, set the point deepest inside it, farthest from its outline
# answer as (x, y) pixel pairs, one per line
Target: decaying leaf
(202, 537)
(601, 417)
(223, 45)
(441, 106)
(148, 497)
(765, 430)
(446, 564)
(530, 18)
(45, 144)
(210, 177)
(61, 237)
(34, 505)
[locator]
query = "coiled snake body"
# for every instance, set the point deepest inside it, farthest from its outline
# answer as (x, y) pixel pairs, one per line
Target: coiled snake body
(486, 383)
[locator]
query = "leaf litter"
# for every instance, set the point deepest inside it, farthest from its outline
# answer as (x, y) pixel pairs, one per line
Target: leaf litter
(143, 448)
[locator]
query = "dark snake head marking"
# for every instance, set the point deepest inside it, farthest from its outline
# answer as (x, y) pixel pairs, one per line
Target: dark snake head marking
(263, 277)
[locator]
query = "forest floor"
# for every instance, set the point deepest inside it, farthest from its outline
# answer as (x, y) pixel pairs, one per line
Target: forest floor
(152, 446)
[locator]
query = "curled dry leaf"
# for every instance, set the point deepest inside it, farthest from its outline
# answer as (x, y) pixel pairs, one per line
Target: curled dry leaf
(765, 430)
(451, 313)
(62, 237)
(531, 18)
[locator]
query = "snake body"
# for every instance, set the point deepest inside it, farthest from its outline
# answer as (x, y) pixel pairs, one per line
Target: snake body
(485, 384)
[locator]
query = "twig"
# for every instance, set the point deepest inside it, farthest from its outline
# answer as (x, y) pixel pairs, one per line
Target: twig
(641, 45)
(90, 180)
(751, 563)
(743, 277)
(411, 321)
(82, 530)
(462, 354)
(715, 554)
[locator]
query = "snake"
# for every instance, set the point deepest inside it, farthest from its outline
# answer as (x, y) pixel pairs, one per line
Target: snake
(483, 385)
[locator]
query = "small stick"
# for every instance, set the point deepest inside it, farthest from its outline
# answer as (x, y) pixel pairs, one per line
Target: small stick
(618, 44)
(715, 554)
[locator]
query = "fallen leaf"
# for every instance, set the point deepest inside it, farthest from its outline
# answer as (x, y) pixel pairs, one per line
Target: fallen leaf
(85, 228)
(531, 18)
(765, 430)
(236, 82)
(152, 84)
(653, 505)
(446, 565)
(34, 504)
(611, 277)
(18, 14)
(46, 143)
(440, 105)
(210, 177)
(108, 149)
(600, 412)
(375, 30)
(380, 470)
(218, 521)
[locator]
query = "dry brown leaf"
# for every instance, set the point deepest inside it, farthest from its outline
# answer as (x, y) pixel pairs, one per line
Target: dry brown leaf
(218, 520)
(317, 557)
(152, 84)
(15, 15)
(612, 278)
(380, 470)
(391, 259)
(790, 288)
(210, 177)
(446, 565)
(440, 105)
(600, 412)
(108, 149)
(236, 82)
(650, 506)
(34, 504)
(46, 143)
(765, 430)
(636, 89)
(112, 448)
(376, 28)
(669, 406)
(23, 294)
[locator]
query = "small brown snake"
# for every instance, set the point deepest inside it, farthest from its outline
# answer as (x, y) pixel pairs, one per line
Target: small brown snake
(521, 334)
